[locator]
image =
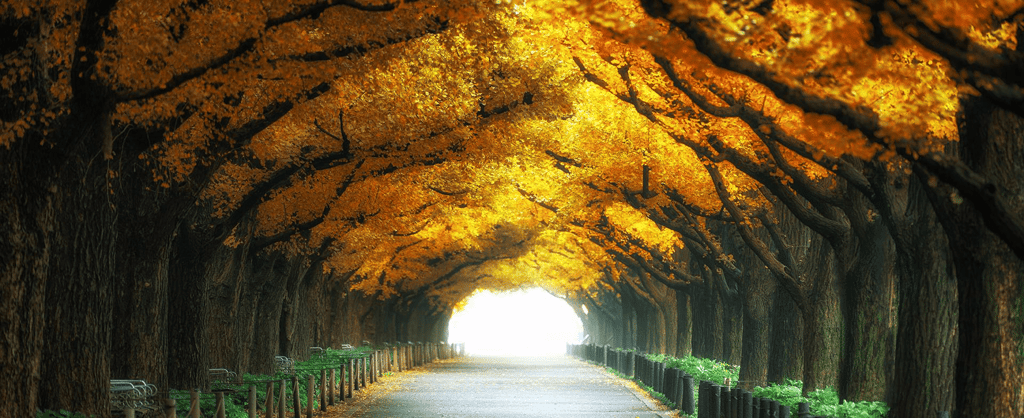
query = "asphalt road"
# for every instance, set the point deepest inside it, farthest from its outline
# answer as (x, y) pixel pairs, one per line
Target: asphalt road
(502, 387)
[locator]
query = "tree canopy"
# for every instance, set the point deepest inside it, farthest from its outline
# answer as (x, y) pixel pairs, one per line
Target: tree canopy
(412, 152)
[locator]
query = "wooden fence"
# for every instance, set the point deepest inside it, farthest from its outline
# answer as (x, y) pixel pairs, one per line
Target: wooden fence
(711, 401)
(326, 384)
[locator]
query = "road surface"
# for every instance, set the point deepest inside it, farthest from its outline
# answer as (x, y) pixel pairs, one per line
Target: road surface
(556, 386)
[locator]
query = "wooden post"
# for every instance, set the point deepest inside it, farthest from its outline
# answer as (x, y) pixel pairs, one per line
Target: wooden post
(351, 377)
(269, 406)
(373, 367)
(309, 397)
(296, 408)
(725, 396)
(397, 359)
(170, 407)
(803, 410)
(281, 399)
(252, 401)
(334, 379)
(362, 372)
(736, 400)
(747, 407)
(220, 404)
(716, 401)
(323, 390)
(129, 413)
(193, 408)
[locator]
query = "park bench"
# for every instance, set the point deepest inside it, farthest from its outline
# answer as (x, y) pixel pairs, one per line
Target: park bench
(285, 365)
(131, 394)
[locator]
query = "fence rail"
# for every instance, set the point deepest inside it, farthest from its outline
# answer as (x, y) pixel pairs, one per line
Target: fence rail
(329, 379)
(711, 401)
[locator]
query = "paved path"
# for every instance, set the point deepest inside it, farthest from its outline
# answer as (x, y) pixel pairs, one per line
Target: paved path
(503, 387)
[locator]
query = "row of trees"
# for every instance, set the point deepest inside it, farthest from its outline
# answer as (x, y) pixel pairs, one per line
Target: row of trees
(816, 190)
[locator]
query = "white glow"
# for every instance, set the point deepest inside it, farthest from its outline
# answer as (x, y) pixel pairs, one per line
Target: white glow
(528, 322)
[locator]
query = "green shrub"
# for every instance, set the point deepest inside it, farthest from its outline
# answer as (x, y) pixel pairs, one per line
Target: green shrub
(236, 403)
(822, 401)
(701, 368)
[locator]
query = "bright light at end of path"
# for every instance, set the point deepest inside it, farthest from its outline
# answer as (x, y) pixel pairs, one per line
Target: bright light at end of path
(527, 322)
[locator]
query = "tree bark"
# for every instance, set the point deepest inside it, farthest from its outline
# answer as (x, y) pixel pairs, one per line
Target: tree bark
(684, 344)
(926, 336)
(868, 306)
(757, 327)
(27, 215)
(990, 365)
(75, 369)
(188, 355)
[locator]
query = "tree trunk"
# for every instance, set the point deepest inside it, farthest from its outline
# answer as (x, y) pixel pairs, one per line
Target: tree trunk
(27, 215)
(926, 335)
(868, 258)
(823, 337)
(787, 346)
(75, 369)
(732, 333)
(990, 365)
(139, 349)
(684, 346)
(187, 297)
(707, 322)
(757, 330)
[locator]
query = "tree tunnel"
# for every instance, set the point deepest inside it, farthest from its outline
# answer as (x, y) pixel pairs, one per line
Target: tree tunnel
(819, 190)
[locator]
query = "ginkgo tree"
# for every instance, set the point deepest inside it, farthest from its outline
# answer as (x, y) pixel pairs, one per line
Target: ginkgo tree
(752, 40)
(202, 184)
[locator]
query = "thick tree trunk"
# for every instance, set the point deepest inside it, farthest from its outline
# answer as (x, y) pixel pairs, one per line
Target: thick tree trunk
(139, 349)
(684, 345)
(787, 346)
(869, 314)
(232, 297)
(272, 272)
(757, 330)
(926, 336)
(990, 278)
(732, 333)
(187, 297)
(75, 369)
(707, 322)
(27, 215)
(823, 336)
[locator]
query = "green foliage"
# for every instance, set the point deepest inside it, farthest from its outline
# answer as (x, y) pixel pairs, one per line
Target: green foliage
(701, 368)
(60, 414)
(788, 393)
(822, 401)
(235, 403)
